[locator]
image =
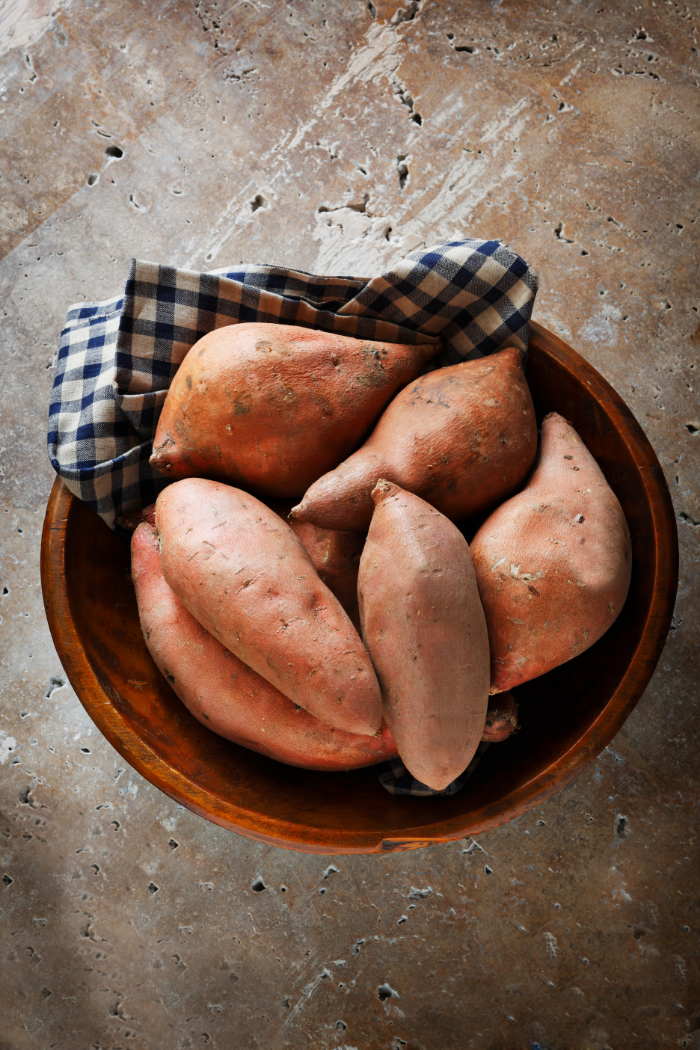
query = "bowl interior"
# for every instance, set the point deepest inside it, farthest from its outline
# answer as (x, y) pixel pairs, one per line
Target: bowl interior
(567, 716)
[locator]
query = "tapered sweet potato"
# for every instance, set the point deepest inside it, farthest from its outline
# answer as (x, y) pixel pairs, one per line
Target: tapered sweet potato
(424, 627)
(271, 407)
(225, 694)
(553, 563)
(463, 438)
(244, 575)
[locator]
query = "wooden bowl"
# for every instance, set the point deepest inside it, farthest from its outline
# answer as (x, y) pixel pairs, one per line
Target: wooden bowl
(568, 716)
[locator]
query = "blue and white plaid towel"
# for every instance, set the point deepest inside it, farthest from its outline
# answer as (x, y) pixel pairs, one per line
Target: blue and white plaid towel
(117, 358)
(394, 776)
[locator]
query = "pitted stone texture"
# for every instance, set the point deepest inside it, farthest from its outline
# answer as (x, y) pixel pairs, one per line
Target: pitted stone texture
(334, 137)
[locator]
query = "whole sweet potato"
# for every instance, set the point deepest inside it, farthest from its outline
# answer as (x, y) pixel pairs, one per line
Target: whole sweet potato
(553, 563)
(244, 575)
(463, 438)
(424, 627)
(271, 407)
(225, 694)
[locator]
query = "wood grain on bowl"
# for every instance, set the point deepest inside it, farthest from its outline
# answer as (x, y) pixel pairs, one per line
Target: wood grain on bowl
(567, 716)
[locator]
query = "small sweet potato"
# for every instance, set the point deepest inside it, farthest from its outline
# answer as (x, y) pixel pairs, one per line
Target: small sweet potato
(225, 694)
(424, 627)
(553, 563)
(271, 407)
(244, 575)
(462, 438)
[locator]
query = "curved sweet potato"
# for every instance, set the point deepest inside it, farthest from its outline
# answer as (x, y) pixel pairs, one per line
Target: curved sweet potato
(424, 627)
(225, 694)
(246, 578)
(271, 407)
(462, 438)
(553, 563)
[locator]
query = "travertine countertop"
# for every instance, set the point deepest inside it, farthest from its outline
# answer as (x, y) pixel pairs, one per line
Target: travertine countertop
(334, 136)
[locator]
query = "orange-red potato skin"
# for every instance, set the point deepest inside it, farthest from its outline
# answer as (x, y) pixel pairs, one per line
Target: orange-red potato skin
(225, 694)
(336, 558)
(463, 438)
(424, 627)
(335, 555)
(553, 563)
(244, 575)
(271, 407)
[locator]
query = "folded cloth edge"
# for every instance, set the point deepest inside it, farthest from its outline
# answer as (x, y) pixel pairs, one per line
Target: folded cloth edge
(117, 358)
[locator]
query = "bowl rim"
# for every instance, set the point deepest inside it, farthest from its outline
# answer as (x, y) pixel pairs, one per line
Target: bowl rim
(308, 839)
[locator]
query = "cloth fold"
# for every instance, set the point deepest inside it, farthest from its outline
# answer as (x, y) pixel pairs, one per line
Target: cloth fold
(395, 778)
(117, 358)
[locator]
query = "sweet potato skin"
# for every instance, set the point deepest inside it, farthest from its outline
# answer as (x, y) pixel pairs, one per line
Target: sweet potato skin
(462, 438)
(424, 627)
(271, 407)
(243, 574)
(335, 556)
(225, 694)
(501, 718)
(553, 563)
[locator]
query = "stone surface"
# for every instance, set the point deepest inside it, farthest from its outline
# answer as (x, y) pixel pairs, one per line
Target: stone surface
(333, 137)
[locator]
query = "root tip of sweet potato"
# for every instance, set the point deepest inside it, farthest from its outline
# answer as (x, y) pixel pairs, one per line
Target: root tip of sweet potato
(501, 719)
(160, 457)
(382, 489)
(131, 521)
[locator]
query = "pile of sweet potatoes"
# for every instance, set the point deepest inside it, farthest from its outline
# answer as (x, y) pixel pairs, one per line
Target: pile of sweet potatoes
(305, 587)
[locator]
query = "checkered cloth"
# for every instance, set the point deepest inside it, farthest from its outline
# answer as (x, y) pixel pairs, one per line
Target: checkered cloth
(117, 358)
(394, 776)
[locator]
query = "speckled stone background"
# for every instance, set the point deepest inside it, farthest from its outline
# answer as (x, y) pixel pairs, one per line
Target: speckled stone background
(333, 136)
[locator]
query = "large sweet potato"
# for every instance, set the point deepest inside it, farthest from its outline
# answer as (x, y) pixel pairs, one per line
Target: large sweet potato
(244, 575)
(424, 627)
(553, 563)
(271, 407)
(463, 438)
(225, 694)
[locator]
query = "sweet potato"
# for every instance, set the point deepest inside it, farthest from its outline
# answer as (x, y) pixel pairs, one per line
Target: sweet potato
(424, 627)
(463, 438)
(244, 575)
(271, 407)
(553, 563)
(225, 694)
